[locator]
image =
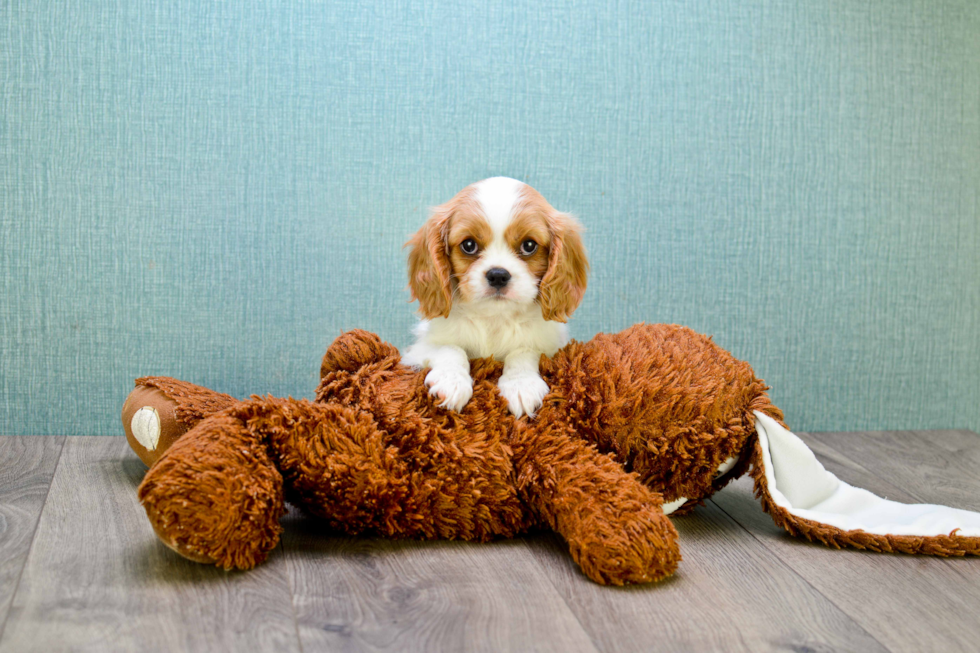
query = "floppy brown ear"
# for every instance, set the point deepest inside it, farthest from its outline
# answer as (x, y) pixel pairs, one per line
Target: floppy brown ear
(429, 270)
(563, 285)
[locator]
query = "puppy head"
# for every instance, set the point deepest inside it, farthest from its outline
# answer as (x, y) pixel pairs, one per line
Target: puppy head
(498, 242)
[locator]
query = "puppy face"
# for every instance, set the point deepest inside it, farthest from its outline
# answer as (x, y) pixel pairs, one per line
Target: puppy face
(498, 242)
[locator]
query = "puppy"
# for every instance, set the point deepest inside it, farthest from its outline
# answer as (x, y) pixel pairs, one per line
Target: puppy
(497, 272)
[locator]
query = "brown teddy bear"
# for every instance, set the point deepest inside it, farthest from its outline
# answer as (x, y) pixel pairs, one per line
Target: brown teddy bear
(636, 425)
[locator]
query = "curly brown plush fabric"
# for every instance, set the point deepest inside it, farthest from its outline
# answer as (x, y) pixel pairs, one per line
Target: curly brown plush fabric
(632, 419)
(669, 403)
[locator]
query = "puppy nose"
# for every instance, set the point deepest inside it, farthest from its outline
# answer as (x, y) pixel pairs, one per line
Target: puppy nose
(497, 277)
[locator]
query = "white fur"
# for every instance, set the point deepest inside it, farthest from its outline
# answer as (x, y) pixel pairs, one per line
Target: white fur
(497, 197)
(508, 327)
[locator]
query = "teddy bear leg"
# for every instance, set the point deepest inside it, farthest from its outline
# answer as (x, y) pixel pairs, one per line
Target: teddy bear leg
(216, 495)
(614, 526)
(160, 409)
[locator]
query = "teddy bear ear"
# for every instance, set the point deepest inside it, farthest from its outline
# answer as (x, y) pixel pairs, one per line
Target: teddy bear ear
(354, 349)
(806, 499)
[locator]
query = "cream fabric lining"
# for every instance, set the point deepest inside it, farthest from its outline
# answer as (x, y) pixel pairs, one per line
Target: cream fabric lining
(800, 484)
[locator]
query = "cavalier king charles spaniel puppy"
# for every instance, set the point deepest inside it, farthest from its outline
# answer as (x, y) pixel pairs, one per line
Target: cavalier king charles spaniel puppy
(497, 272)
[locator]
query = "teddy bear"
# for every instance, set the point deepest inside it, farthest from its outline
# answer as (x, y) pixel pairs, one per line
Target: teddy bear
(637, 425)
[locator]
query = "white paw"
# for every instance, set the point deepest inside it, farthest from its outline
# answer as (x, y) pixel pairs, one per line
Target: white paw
(453, 386)
(524, 393)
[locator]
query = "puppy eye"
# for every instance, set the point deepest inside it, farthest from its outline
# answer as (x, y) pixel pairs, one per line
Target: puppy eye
(528, 247)
(468, 246)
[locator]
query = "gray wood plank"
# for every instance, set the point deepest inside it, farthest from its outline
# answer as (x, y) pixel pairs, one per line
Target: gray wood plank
(97, 577)
(962, 444)
(931, 466)
(909, 603)
(27, 464)
(368, 594)
(729, 594)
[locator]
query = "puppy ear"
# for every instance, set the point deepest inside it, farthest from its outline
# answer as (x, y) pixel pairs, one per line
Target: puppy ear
(429, 269)
(563, 284)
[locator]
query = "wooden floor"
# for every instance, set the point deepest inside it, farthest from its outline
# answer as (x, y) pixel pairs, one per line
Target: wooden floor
(80, 569)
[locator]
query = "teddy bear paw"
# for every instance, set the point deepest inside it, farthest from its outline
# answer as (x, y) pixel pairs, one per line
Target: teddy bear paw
(524, 393)
(454, 387)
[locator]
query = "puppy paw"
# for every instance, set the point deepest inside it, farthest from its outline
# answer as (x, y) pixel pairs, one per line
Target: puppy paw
(453, 386)
(524, 393)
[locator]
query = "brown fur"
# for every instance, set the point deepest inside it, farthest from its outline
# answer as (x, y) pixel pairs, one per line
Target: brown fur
(216, 495)
(189, 403)
(565, 277)
(535, 226)
(374, 454)
(563, 286)
(671, 405)
(632, 419)
(429, 267)
(467, 222)
(436, 262)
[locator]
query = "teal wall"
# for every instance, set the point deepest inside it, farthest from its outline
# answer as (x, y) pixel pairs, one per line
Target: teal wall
(214, 192)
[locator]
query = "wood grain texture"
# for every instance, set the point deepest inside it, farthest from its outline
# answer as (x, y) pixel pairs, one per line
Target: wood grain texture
(26, 467)
(931, 466)
(730, 594)
(909, 603)
(962, 444)
(364, 594)
(97, 578)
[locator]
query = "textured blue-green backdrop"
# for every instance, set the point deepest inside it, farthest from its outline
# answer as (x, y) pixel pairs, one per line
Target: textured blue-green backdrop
(214, 191)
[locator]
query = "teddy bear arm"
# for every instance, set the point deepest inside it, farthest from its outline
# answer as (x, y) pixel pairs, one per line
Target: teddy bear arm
(614, 525)
(335, 464)
(340, 464)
